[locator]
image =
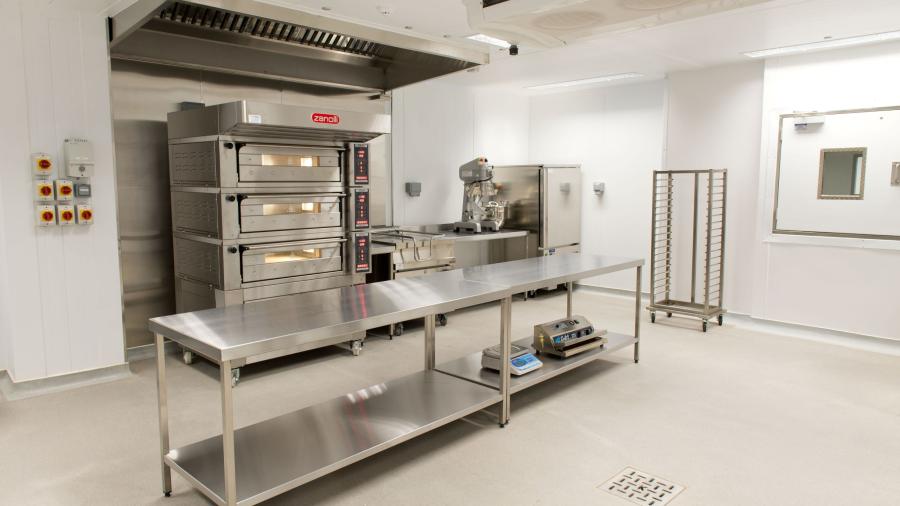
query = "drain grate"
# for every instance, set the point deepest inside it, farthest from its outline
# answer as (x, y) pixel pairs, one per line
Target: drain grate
(642, 488)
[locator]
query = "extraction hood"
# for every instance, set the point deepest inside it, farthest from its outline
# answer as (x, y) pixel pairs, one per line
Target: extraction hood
(253, 38)
(552, 23)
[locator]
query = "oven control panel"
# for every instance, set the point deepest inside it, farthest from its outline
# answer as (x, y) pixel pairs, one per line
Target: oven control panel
(362, 258)
(360, 208)
(359, 164)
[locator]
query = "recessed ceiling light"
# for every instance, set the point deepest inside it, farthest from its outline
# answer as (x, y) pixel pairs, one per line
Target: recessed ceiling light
(487, 39)
(828, 43)
(590, 80)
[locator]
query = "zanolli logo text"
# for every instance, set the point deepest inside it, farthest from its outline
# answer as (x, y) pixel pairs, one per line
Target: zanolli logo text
(328, 119)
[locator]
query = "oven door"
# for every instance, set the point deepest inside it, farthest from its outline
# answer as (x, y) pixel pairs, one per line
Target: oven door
(276, 212)
(280, 163)
(262, 262)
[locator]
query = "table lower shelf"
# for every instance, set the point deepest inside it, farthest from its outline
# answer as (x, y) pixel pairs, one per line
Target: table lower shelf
(469, 367)
(282, 453)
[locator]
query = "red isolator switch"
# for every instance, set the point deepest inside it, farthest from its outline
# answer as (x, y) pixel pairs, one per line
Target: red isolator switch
(66, 214)
(43, 190)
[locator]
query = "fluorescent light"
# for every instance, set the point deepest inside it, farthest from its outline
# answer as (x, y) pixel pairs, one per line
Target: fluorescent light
(590, 80)
(825, 44)
(487, 39)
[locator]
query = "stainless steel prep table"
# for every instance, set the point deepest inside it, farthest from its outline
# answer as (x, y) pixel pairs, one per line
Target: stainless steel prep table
(257, 462)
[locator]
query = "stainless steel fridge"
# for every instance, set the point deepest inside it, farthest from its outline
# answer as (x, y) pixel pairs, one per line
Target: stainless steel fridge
(545, 200)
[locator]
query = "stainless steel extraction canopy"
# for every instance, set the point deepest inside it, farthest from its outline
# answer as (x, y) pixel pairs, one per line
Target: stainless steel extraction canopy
(252, 38)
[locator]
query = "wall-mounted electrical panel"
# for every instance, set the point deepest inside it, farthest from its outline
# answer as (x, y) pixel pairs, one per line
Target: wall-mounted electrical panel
(45, 215)
(79, 158)
(41, 165)
(65, 214)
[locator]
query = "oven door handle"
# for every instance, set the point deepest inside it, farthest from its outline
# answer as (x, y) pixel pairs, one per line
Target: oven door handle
(245, 196)
(279, 245)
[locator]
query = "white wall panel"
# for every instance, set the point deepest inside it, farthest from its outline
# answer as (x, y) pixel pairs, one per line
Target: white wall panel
(616, 134)
(64, 295)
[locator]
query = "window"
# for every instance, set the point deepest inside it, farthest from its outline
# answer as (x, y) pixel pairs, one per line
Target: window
(842, 173)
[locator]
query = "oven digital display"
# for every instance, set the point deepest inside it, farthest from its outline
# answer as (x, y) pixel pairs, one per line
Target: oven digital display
(361, 259)
(360, 164)
(361, 209)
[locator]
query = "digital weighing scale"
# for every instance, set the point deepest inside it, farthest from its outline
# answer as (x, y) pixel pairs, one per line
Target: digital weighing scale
(521, 359)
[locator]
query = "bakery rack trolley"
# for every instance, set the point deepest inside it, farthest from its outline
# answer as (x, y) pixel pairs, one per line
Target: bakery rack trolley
(711, 222)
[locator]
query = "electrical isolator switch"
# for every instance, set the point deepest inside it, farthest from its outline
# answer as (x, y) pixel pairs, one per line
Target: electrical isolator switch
(45, 215)
(41, 165)
(43, 191)
(85, 214)
(65, 214)
(65, 190)
(82, 190)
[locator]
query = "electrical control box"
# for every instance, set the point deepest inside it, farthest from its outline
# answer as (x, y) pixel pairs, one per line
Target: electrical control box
(41, 165)
(65, 190)
(82, 190)
(79, 158)
(65, 214)
(85, 214)
(43, 191)
(45, 215)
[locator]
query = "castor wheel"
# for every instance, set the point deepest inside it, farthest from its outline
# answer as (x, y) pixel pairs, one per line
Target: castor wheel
(188, 357)
(235, 377)
(531, 294)
(652, 317)
(668, 315)
(441, 320)
(705, 325)
(721, 319)
(167, 494)
(398, 329)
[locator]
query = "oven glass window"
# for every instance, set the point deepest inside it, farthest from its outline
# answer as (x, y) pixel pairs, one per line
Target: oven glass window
(298, 255)
(298, 208)
(290, 161)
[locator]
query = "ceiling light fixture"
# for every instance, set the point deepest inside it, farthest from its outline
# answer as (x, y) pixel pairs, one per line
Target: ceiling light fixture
(487, 39)
(590, 80)
(828, 43)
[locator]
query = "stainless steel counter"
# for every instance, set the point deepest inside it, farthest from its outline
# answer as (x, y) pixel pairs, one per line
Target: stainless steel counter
(257, 462)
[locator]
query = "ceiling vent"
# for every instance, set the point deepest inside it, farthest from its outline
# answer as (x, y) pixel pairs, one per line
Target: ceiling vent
(550, 23)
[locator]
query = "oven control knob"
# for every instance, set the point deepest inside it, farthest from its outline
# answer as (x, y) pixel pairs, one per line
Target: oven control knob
(230, 198)
(232, 249)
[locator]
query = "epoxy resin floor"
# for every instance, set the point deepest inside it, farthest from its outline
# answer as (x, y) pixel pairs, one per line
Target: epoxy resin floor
(737, 417)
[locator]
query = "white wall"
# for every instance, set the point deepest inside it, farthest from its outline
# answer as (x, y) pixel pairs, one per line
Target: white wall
(843, 284)
(616, 134)
(61, 293)
(437, 127)
(714, 118)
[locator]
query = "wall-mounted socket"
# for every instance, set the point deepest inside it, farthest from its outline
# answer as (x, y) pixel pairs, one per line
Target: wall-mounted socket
(413, 189)
(895, 174)
(599, 188)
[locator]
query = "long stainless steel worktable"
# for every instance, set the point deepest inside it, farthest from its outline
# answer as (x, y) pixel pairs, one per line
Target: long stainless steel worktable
(257, 462)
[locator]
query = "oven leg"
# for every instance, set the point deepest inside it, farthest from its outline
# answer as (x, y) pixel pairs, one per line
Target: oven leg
(570, 287)
(429, 341)
(505, 321)
(637, 315)
(163, 413)
(228, 433)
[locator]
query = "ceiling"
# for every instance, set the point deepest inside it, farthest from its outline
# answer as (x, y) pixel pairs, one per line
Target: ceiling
(712, 40)
(701, 42)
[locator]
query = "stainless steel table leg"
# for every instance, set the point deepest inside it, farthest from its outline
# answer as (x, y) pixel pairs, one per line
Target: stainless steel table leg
(228, 433)
(505, 343)
(637, 315)
(570, 286)
(429, 341)
(163, 413)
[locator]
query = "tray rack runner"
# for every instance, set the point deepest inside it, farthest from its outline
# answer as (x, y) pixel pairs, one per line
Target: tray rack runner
(707, 304)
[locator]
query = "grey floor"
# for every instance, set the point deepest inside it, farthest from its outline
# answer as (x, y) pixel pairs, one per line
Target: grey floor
(738, 417)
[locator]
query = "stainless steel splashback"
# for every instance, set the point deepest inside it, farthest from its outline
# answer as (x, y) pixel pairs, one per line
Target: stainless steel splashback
(142, 96)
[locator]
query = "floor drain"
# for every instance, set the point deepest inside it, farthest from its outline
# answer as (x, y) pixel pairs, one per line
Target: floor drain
(642, 488)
